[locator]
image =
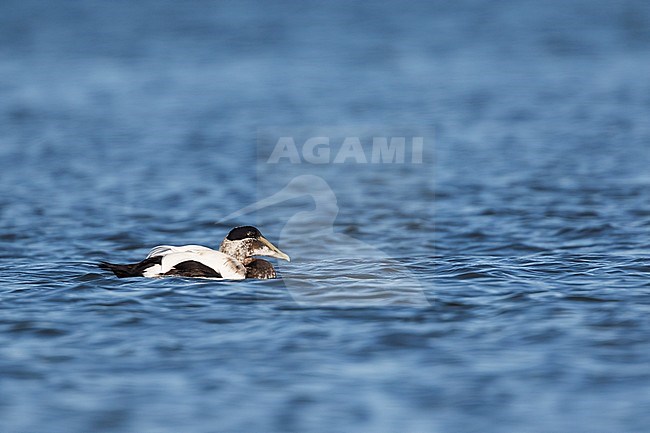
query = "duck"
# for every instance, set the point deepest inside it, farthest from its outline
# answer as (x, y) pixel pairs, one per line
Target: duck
(235, 259)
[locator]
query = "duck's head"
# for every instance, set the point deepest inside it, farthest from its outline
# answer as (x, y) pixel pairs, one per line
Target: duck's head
(247, 241)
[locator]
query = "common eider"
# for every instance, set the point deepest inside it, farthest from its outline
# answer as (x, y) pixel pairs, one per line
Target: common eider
(234, 261)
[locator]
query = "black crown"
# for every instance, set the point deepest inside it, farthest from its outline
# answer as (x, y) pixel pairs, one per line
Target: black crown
(243, 232)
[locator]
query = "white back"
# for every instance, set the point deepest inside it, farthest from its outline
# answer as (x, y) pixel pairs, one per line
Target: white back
(228, 267)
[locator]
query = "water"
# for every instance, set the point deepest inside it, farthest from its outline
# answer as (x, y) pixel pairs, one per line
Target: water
(503, 284)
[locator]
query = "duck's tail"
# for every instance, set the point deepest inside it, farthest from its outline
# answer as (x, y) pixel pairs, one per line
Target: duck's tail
(130, 270)
(121, 271)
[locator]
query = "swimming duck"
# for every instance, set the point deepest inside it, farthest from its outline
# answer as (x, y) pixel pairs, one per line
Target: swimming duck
(234, 261)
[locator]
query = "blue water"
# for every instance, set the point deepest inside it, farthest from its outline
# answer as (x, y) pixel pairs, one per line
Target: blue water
(502, 285)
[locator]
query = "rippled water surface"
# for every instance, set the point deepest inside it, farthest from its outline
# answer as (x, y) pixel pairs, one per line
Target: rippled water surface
(503, 284)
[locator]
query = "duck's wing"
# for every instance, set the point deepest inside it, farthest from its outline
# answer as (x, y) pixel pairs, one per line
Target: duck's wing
(163, 250)
(191, 262)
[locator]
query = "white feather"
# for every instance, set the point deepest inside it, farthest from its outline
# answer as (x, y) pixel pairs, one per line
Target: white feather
(163, 250)
(228, 267)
